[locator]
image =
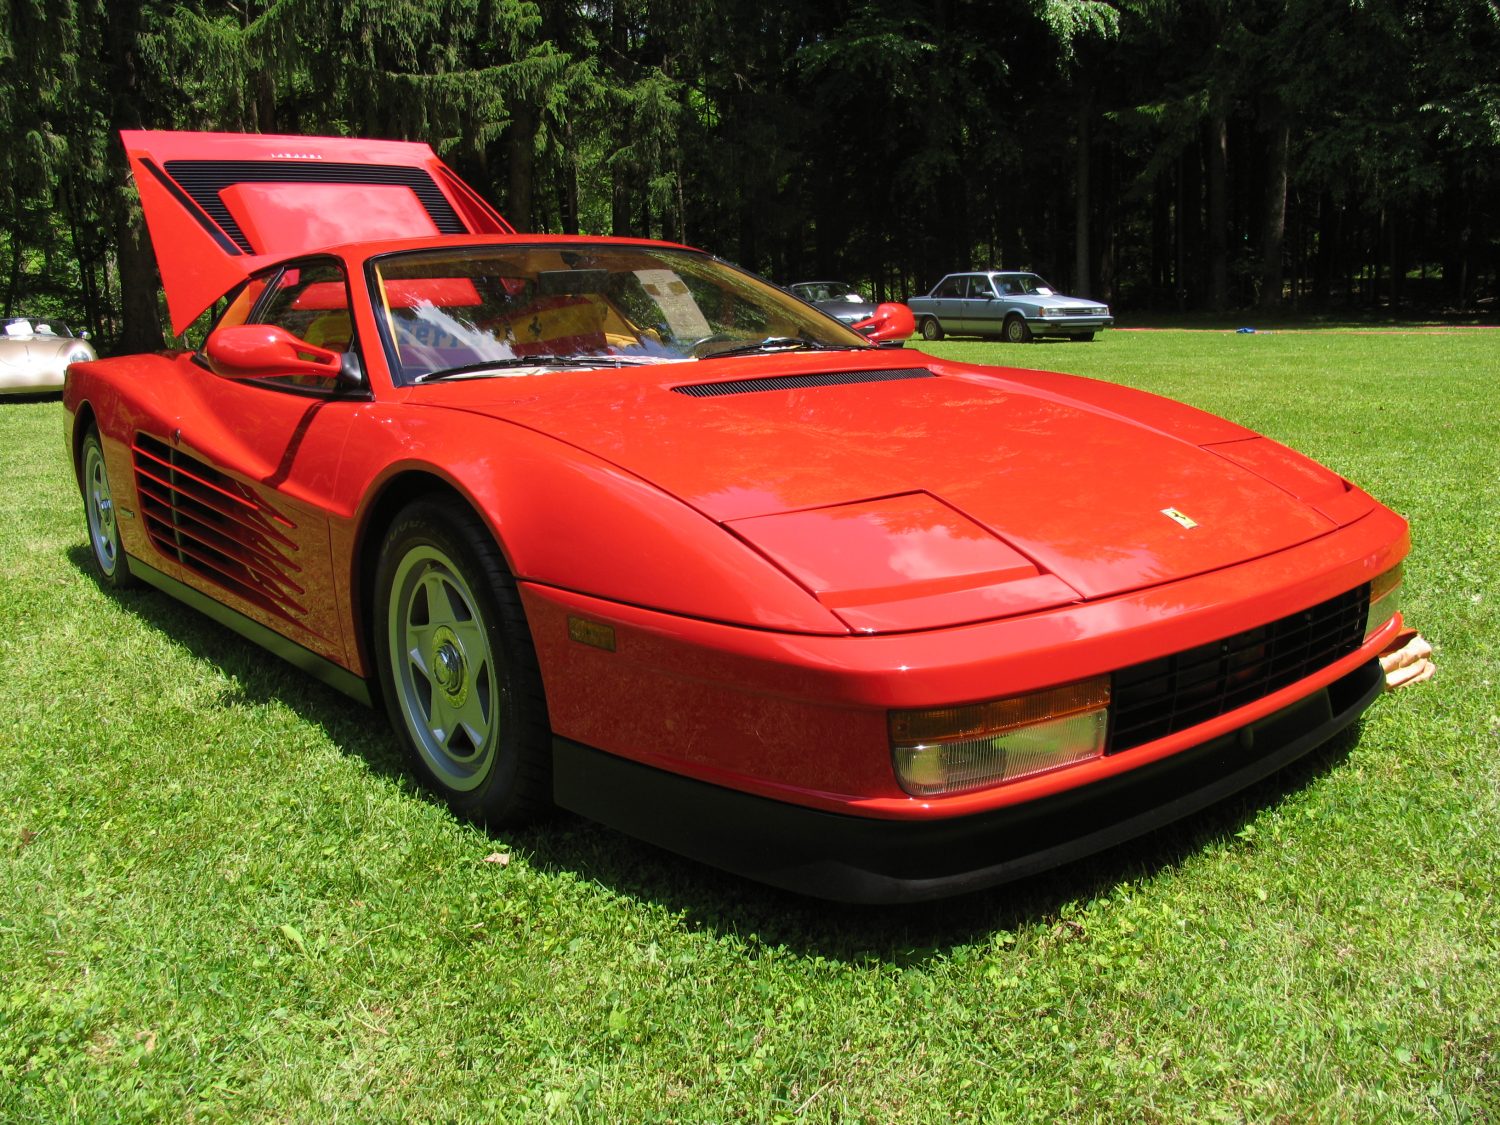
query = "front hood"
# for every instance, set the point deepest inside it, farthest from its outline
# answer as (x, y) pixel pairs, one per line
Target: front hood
(1060, 302)
(27, 353)
(847, 311)
(933, 480)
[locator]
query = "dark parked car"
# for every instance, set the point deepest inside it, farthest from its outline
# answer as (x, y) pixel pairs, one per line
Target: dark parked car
(838, 299)
(1017, 307)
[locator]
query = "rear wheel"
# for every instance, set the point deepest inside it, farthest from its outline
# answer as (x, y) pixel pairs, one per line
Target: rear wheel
(1016, 331)
(931, 329)
(99, 511)
(457, 667)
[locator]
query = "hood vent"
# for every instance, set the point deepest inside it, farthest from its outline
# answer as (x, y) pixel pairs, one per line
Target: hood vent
(802, 382)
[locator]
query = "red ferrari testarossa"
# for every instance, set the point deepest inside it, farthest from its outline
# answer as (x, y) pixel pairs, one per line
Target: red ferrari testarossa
(613, 525)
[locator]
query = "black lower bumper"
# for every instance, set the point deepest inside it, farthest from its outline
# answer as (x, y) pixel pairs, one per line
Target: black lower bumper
(858, 859)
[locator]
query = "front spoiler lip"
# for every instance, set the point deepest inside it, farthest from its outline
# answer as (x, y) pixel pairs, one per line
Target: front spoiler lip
(860, 860)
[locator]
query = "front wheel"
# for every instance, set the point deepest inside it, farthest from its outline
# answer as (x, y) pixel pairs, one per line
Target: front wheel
(99, 512)
(457, 667)
(931, 329)
(1016, 331)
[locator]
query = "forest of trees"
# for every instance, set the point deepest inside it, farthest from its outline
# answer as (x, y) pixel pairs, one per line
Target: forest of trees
(1204, 154)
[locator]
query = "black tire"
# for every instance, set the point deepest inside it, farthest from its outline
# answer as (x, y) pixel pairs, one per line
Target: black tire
(108, 556)
(931, 329)
(457, 667)
(1083, 337)
(1016, 330)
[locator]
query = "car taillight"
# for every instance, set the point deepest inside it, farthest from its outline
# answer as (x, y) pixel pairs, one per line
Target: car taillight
(1385, 599)
(947, 750)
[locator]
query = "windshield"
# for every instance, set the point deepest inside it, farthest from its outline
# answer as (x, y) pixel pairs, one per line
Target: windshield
(488, 310)
(828, 291)
(25, 326)
(1026, 283)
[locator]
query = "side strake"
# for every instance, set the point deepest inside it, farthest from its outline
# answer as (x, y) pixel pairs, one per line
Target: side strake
(221, 205)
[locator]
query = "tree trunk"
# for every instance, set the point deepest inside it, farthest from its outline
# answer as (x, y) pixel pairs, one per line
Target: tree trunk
(1082, 281)
(265, 101)
(1271, 272)
(1218, 211)
(139, 284)
(520, 151)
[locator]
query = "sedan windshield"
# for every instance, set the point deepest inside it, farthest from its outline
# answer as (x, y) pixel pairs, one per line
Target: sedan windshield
(1030, 283)
(478, 311)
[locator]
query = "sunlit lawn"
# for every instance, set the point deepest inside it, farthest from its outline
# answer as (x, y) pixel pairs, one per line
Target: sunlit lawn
(222, 899)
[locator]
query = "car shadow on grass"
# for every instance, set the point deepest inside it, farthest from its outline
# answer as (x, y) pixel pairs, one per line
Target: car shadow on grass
(713, 901)
(257, 676)
(909, 934)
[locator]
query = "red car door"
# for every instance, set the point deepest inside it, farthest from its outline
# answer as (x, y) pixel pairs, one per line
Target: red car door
(235, 497)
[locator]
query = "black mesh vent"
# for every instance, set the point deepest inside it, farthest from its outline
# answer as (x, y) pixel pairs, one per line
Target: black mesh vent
(1160, 697)
(204, 179)
(801, 382)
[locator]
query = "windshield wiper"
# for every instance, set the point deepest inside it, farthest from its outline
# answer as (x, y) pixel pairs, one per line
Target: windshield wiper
(531, 361)
(783, 344)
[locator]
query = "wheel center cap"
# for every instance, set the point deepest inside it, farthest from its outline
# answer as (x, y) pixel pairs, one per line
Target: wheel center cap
(449, 668)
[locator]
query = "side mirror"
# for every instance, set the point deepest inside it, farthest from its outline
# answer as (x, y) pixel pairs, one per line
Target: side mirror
(891, 322)
(259, 351)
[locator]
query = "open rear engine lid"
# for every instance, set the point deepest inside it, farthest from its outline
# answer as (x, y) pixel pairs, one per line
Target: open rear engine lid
(220, 205)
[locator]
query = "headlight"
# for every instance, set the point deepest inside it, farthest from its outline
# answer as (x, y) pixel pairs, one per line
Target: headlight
(948, 750)
(1052, 312)
(79, 355)
(1385, 599)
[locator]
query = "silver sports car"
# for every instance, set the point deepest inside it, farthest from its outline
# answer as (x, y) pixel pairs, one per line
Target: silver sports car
(35, 352)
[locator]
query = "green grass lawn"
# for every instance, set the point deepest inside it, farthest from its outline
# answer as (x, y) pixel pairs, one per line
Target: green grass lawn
(221, 898)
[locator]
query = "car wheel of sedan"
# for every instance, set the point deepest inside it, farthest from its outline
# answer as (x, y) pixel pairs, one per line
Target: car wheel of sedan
(931, 329)
(1016, 331)
(457, 667)
(99, 510)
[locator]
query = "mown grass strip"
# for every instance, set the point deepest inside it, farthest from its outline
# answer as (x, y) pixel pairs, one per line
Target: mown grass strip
(223, 899)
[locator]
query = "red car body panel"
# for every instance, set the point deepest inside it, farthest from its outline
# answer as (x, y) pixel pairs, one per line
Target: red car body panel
(778, 568)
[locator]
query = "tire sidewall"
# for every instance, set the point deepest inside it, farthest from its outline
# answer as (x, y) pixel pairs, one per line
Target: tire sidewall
(503, 794)
(117, 575)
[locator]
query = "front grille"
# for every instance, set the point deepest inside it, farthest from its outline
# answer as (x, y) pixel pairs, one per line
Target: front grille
(1160, 697)
(213, 525)
(802, 382)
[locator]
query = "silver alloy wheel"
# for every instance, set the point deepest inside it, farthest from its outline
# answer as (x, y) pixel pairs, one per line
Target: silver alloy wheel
(104, 534)
(443, 668)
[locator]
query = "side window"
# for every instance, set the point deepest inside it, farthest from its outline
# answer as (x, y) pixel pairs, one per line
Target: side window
(952, 287)
(310, 300)
(312, 303)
